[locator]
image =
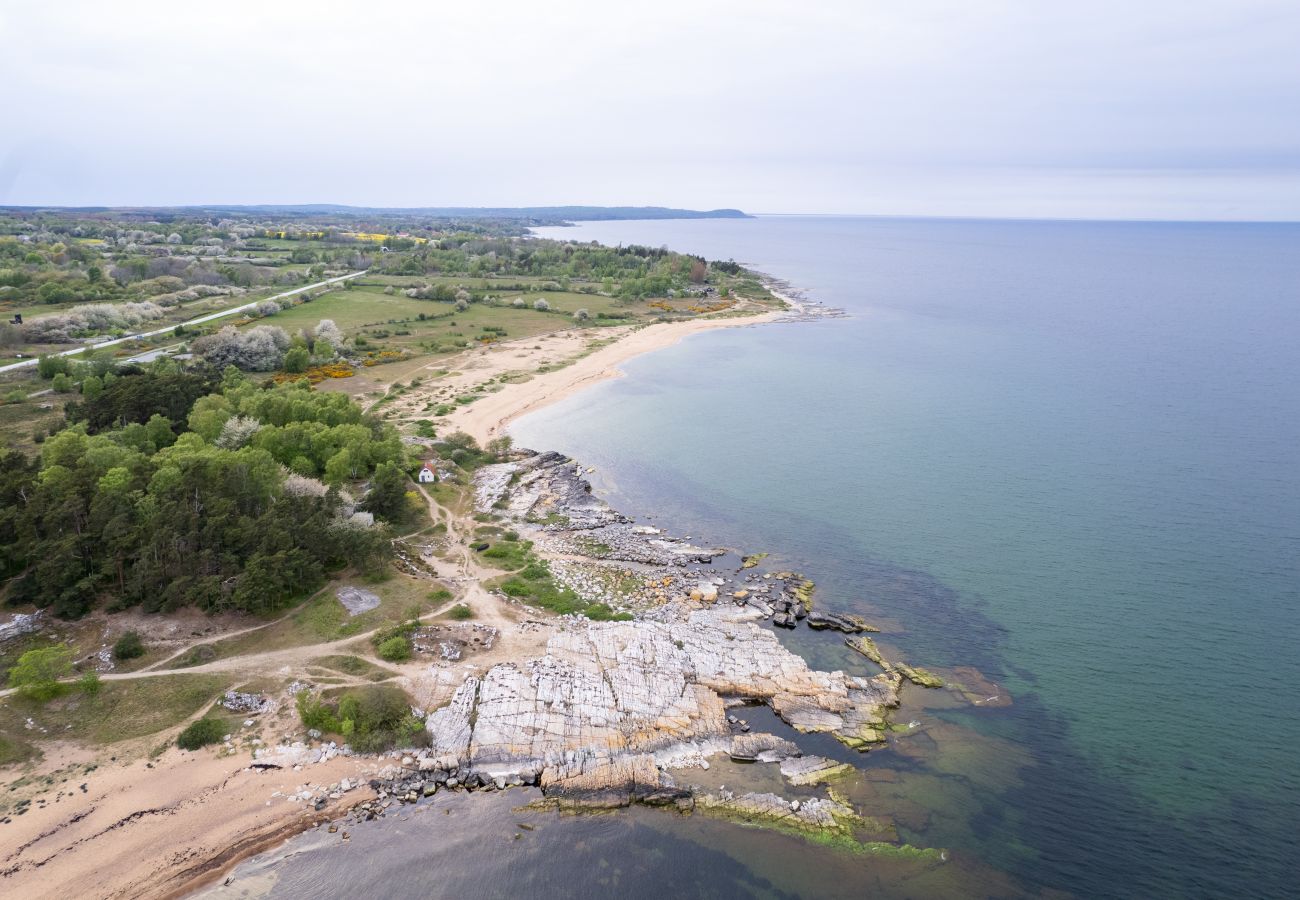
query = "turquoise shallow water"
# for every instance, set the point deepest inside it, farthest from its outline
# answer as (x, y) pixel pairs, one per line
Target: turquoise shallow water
(1064, 454)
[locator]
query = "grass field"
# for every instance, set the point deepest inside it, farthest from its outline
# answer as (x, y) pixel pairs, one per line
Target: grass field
(379, 321)
(119, 711)
(323, 619)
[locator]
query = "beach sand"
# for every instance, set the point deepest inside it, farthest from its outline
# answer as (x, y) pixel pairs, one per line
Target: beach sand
(155, 828)
(579, 366)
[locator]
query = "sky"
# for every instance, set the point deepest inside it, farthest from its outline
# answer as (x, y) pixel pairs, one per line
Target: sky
(1155, 109)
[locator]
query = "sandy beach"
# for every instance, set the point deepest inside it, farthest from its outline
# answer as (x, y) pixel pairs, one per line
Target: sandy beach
(581, 367)
(155, 828)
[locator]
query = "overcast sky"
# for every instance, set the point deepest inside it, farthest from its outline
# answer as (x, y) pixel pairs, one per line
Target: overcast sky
(1132, 109)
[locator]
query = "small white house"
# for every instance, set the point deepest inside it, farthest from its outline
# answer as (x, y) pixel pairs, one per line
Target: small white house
(428, 475)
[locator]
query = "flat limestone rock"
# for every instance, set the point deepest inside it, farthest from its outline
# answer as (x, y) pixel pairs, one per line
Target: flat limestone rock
(761, 747)
(592, 713)
(356, 601)
(806, 770)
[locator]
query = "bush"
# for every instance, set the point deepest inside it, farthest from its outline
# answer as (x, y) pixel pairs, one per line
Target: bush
(128, 646)
(89, 684)
(395, 649)
(461, 612)
(37, 674)
(296, 360)
(201, 733)
(49, 366)
(373, 718)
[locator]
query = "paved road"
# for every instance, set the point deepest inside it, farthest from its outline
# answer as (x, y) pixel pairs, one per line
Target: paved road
(81, 348)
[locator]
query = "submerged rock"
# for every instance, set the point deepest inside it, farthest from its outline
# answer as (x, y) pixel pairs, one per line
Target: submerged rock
(918, 676)
(845, 622)
(808, 814)
(812, 769)
(867, 647)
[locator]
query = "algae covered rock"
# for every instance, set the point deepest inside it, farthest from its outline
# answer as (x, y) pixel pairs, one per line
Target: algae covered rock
(867, 647)
(918, 676)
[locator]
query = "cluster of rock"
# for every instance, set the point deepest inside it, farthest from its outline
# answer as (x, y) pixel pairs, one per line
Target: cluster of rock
(20, 624)
(239, 701)
(550, 490)
(297, 754)
(814, 812)
(612, 705)
(452, 642)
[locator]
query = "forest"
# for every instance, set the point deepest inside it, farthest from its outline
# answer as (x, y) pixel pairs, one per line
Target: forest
(172, 488)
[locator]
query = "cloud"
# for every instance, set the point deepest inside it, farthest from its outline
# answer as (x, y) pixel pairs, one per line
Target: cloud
(789, 106)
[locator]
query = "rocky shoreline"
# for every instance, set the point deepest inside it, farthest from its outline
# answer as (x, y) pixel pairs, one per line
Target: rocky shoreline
(612, 713)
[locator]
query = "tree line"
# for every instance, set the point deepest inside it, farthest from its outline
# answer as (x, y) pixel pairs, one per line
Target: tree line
(172, 489)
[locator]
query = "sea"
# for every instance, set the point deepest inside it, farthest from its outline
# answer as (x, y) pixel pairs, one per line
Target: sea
(1057, 461)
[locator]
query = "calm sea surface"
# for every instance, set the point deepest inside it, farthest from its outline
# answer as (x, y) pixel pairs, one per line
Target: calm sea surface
(1064, 454)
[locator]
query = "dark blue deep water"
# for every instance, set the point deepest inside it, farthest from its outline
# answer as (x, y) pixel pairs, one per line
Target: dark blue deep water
(1066, 455)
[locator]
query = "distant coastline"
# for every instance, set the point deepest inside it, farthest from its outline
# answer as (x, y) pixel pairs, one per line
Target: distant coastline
(532, 215)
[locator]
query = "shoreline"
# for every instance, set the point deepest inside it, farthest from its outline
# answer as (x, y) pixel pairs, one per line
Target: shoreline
(178, 823)
(491, 416)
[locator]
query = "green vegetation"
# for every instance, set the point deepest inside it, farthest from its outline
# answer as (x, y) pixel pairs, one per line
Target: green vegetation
(354, 666)
(36, 677)
(120, 710)
(196, 510)
(534, 584)
(89, 684)
(460, 612)
(201, 733)
(395, 649)
(509, 555)
(373, 718)
(128, 646)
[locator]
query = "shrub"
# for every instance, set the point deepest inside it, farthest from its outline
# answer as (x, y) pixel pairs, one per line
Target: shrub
(541, 305)
(259, 349)
(201, 733)
(296, 360)
(395, 649)
(89, 684)
(373, 718)
(37, 674)
(128, 646)
(461, 612)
